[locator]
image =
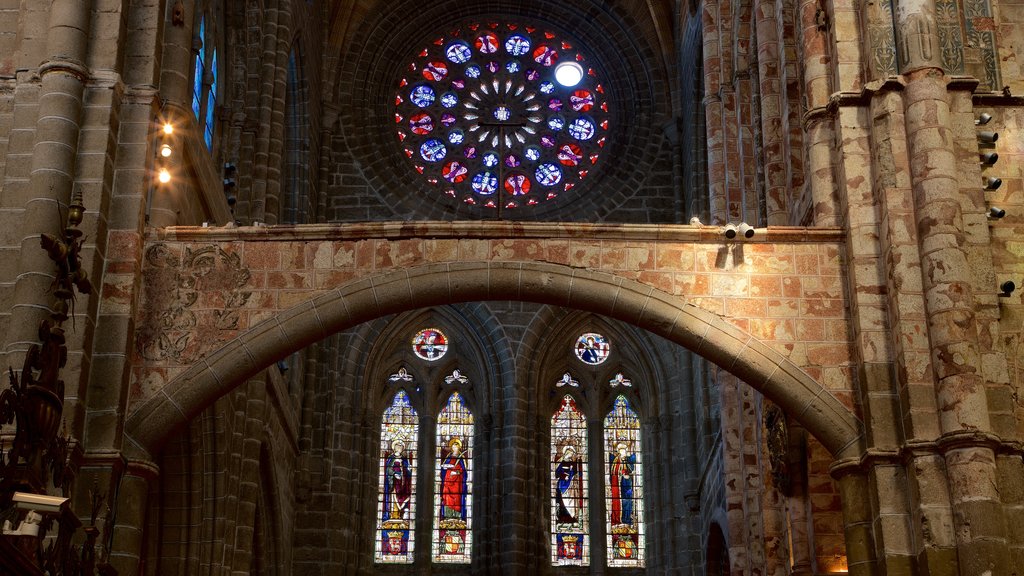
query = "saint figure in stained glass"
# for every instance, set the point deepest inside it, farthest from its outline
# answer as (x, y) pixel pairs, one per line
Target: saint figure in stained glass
(453, 485)
(624, 489)
(623, 468)
(570, 538)
(397, 486)
(569, 493)
(453, 482)
(397, 483)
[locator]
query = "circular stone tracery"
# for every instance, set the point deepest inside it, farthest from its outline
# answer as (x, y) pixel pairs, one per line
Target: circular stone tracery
(482, 117)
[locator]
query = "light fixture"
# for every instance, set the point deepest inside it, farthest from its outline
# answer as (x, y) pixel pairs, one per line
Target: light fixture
(991, 183)
(1007, 288)
(164, 176)
(746, 230)
(995, 212)
(168, 129)
(165, 151)
(988, 158)
(568, 74)
(729, 231)
(988, 137)
(983, 118)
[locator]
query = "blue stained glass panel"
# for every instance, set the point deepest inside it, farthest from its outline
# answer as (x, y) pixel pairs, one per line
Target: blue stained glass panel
(548, 174)
(422, 95)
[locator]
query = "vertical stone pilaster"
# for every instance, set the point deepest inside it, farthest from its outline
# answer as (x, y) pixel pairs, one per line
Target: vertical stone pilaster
(857, 516)
(62, 84)
(127, 551)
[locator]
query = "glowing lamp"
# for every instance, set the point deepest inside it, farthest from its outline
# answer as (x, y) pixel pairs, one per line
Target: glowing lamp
(568, 74)
(164, 176)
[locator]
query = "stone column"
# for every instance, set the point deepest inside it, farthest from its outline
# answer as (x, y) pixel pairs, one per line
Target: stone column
(857, 517)
(965, 440)
(713, 114)
(176, 92)
(62, 82)
(815, 62)
(127, 551)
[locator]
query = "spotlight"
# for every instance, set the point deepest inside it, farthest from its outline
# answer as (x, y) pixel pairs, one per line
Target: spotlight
(165, 151)
(568, 74)
(988, 137)
(991, 183)
(1007, 288)
(746, 230)
(996, 212)
(983, 118)
(730, 231)
(164, 176)
(988, 158)
(168, 129)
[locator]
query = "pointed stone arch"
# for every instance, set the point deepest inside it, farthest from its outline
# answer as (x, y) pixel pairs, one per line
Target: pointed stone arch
(671, 317)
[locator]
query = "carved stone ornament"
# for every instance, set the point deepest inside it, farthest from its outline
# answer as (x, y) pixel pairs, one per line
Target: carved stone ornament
(209, 272)
(777, 437)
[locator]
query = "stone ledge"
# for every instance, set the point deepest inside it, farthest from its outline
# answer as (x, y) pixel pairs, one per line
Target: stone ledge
(486, 229)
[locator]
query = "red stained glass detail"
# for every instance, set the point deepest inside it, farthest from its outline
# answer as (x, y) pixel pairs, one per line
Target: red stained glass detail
(569, 186)
(486, 43)
(490, 204)
(439, 41)
(492, 25)
(518, 185)
(469, 200)
(459, 84)
(581, 100)
(511, 205)
(530, 29)
(432, 181)
(403, 83)
(599, 88)
(549, 35)
(579, 57)
(421, 123)
(566, 46)
(593, 158)
(408, 153)
(399, 118)
(583, 174)
(591, 72)
(435, 71)
(419, 169)
(601, 142)
(552, 195)
(401, 136)
(604, 124)
(425, 53)
(604, 106)
(532, 202)
(450, 192)
(398, 100)
(412, 67)
(570, 154)
(513, 26)
(545, 55)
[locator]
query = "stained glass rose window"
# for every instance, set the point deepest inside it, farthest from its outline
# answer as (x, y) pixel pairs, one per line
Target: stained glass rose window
(501, 115)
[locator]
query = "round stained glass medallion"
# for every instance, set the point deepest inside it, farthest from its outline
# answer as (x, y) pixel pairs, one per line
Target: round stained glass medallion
(592, 348)
(430, 344)
(512, 123)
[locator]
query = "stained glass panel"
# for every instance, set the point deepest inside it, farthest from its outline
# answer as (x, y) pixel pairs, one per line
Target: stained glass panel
(396, 500)
(570, 528)
(624, 491)
(211, 103)
(430, 344)
(197, 75)
(495, 83)
(592, 348)
(453, 483)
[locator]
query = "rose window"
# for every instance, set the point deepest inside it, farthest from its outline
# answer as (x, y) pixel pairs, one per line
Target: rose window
(501, 115)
